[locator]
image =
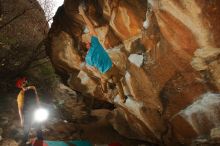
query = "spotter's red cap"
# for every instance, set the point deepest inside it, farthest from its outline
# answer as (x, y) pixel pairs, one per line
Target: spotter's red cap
(20, 81)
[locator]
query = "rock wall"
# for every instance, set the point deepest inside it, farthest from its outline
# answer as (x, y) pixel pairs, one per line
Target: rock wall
(23, 26)
(167, 63)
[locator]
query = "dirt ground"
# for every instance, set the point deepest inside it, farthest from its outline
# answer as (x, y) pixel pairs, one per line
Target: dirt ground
(97, 130)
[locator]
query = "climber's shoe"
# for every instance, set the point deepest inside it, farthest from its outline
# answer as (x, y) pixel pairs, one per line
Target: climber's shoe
(124, 99)
(28, 143)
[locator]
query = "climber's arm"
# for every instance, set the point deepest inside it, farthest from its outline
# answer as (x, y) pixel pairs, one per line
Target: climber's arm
(37, 97)
(87, 21)
(35, 90)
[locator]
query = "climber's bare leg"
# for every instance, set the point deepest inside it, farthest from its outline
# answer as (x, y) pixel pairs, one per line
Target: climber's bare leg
(119, 88)
(105, 77)
(104, 83)
(113, 74)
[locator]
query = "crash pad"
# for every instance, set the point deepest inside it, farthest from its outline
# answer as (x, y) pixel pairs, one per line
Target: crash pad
(61, 143)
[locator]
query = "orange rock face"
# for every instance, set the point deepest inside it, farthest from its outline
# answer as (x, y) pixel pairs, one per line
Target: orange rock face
(167, 64)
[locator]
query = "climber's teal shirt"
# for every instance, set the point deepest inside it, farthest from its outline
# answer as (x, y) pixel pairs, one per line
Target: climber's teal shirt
(98, 57)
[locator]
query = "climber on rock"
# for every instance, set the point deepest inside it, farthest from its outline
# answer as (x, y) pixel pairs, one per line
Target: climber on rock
(98, 59)
(28, 101)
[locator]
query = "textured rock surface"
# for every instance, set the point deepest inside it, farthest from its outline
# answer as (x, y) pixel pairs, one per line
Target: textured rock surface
(180, 50)
(23, 28)
(26, 28)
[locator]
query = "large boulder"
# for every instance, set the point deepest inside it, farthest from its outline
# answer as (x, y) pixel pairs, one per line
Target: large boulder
(167, 63)
(23, 27)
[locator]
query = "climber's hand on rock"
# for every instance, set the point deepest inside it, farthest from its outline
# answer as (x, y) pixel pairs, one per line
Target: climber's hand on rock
(82, 65)
(91, 68)
(81, 10)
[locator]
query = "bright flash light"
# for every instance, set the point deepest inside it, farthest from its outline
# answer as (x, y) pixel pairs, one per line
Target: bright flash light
(41, 115)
